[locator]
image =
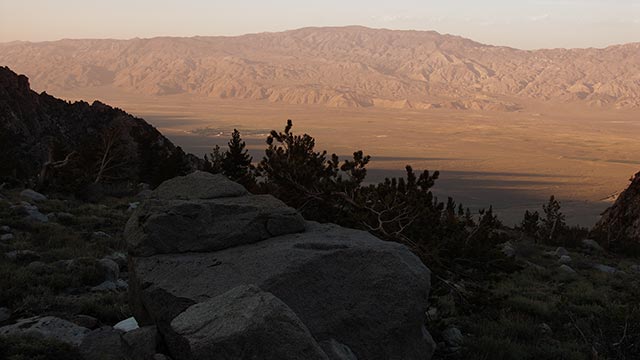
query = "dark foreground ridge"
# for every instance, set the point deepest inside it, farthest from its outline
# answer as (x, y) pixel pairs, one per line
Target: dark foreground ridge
(228, 275)
(48, 142)
(620, 224)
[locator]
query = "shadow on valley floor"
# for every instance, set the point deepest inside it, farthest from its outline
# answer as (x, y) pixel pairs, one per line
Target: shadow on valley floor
(510, 194)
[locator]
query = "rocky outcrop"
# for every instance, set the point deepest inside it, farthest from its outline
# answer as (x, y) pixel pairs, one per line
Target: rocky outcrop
(245, 263)
(620, 224)
(48, 327)
(37, 128)
(214, 218)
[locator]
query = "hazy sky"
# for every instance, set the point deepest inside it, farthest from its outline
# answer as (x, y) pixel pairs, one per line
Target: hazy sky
(517, 23)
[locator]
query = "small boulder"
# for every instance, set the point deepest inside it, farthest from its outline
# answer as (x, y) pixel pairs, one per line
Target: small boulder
(104, 343)
(48, 327)
(31, 212)
(564, 259)
(5, 229)
(38, 267)
(111, 269)
(567, 269)
(23, 255)
(561, 252)
(86, 321)
(508, 249)
(6, 237)
(605, 268)
(635, 268)
(544, 329)
(242, 324)
(32, 195)
(337, 351)
(592, 245)
(133, 206)
(111, 285)
(141, 343)
(453, 337)
(127, 325)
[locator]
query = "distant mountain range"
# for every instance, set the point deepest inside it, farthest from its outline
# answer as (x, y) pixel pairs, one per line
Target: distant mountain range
(338, 67)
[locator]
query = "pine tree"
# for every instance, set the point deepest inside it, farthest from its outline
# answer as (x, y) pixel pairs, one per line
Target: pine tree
(554, 220)
(236, 161)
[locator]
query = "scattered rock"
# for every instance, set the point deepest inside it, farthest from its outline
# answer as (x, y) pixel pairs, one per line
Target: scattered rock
(133, 206)
(635, 268)
(86, 321)
(605, 268)
(337, 351)
(22, 255)
(38, 267)
(508, 249)
(6, 237)
(47, 327)
(161, 357)
(564, 259)
(5, 314)
(592, 245)
(100, 234)
(145, 194)
(453, 337)
(119, 258)
(5, 229)
(104, 343)
(141, 343)
(567, 269)
(61, 217)
(31, 212)
(544, 329)
(243, 323)
(110, 285)
(561, 252)
(127, 325)
(111, 269)
(32, 195)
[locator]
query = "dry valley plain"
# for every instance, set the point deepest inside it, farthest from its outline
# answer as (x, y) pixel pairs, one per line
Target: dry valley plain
(511, 160)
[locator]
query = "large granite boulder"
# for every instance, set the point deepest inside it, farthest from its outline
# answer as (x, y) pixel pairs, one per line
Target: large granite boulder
(358, 296)
(214, 218)
(243, 323)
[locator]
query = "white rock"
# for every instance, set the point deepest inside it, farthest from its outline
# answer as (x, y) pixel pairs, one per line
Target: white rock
(127, 325)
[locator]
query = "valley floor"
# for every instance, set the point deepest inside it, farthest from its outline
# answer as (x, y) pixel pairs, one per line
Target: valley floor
(511, 160)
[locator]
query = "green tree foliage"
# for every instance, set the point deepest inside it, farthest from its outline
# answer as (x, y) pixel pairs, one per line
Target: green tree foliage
(403, 209)
(530, 223)
(235, 162)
